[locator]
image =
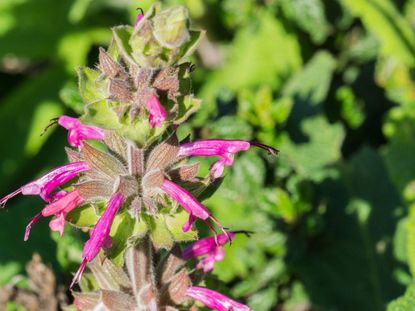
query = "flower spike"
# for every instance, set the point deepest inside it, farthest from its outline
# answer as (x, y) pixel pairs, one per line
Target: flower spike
(99, 234)
(47, 183)
(215, 300)
(77, 132)
(211, 248)
(225, 149)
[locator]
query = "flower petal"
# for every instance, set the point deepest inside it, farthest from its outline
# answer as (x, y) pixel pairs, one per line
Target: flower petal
(157, 113)
(77, 132)
(99, 234)
(215, 300)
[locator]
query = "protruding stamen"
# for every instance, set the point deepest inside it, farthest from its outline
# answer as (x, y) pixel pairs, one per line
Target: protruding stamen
(30, 224)
(51, 123)
(269, 149)
(4, 200)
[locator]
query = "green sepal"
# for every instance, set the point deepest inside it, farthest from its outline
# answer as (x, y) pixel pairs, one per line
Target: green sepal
(175, 223)
(92, 85)
(121, 230)
(100, 114)
(170, 27)
(84, 216)
(122, 35)
(187, 106)
(160, 235)
(190, 46)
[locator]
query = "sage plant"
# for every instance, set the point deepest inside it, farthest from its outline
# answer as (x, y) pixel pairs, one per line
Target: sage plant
(129, 182)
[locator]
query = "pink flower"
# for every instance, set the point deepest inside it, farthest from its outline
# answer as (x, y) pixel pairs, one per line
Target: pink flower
(47, 183)
(99, 235)
(215, 300)
(139, 18)
(157, 113)
(211, 248)
(225, 149)
(79, 132)
(60, 208)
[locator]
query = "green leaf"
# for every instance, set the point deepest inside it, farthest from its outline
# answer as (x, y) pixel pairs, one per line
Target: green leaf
(351, 111)
(404, 303)
(312, 158)
(313, 81)
(258, 56)
(309, 15)
(45, 111)
(383, 19)
(410, 240)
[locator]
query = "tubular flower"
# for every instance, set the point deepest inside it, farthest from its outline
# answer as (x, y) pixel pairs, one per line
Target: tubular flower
(64, 203)
(47, 183)
(99, 236)
(215, 300)
(157, 113)
(138, 19)
(211, 248)
(187, 201)
(225, 149)
(77, 132)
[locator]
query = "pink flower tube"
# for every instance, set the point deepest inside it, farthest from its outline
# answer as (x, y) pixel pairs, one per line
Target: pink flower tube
(99, 235)
(225, 149)
(187, 201)
(157, 113)
(77, 132)
(211, 248)
(47, 183)
(138, 19)
(215, 300)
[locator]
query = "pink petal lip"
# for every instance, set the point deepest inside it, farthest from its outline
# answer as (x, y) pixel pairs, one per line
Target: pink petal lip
(65, 202)
(63, 205)
(210, 247)
(215, 300)
(207, 245)
(78, 132)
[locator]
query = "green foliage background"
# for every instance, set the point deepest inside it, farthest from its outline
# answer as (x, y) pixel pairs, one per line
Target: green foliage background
(329, 83)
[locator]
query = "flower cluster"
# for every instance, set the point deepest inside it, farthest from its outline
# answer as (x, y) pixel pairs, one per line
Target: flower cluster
(115, 171)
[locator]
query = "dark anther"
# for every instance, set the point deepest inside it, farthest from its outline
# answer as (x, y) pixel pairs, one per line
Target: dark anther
(270, 149)
(51, 123)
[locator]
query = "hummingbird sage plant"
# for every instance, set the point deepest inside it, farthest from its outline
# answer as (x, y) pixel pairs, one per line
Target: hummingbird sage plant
(129, 182)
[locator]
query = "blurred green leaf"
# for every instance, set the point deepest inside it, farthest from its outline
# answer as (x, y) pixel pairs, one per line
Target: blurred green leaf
(391, 29)
(309, 16)
(321, 149)
(404, 303)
